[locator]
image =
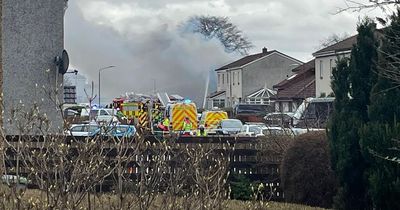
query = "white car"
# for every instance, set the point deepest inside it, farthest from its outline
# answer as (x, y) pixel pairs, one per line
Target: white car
(251, 130)
(277, 131)
(229, 127)
(85, 130)
(103, 115)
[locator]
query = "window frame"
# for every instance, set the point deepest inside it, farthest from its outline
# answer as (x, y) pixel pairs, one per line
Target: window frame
(321, 66)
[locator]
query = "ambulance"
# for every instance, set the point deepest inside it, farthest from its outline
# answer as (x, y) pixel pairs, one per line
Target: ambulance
(210, 119)
(177, 111)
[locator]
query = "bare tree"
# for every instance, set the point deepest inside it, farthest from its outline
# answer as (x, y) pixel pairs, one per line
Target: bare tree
(222, 29)
(333, 39)
(90, 97)
(395, 148)
(140, 173)
(358, 5)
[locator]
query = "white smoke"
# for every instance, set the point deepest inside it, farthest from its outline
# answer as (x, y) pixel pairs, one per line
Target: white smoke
(145, 53)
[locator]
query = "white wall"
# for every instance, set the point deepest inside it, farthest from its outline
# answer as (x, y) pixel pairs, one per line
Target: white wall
(323, 82)
(231, 82)
(235, 83)
(222, 84)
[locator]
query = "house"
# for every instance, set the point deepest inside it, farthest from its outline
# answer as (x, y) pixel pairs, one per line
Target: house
(249, 75)
(325, 61)
(292, 91)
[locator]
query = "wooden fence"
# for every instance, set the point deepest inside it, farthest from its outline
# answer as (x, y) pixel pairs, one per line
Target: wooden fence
(254, 158)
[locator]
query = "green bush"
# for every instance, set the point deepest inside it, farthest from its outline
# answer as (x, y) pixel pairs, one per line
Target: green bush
(240, 187)
(306, 174)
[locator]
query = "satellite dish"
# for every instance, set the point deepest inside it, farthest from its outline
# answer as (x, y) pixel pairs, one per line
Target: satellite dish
(63, 62)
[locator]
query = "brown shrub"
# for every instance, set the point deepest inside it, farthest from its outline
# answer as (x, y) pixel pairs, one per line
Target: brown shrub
(306, 173)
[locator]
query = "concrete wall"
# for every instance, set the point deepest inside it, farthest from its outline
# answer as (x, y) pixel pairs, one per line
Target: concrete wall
(33, 34)
(323, 73)
(269, 70)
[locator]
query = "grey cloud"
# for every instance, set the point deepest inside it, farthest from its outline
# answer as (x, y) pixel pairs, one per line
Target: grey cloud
(145, 44)
(179, 63)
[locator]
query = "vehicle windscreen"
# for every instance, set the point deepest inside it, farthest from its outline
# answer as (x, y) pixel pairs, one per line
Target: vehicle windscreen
(255, 129)
(231, 124)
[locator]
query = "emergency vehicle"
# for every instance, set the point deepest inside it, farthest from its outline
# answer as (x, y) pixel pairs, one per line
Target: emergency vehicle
(210, 119)
(176, 112)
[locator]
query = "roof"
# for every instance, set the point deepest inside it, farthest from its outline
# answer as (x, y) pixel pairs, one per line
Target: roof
(250, 58)
(344, 45)
(262, 93)
(215, 94)
(299, 86)
(299, 72)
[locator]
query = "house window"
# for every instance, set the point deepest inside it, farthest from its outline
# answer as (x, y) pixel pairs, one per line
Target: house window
(290, 106)
(320, 69)
(220, 103)
(330, 66)
(239, 78)
(233, 78)
(223, 78)
(219, 79)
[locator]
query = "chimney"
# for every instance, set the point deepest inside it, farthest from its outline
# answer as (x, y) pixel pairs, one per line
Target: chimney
(264, 50)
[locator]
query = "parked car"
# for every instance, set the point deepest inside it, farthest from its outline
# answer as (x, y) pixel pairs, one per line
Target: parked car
(229, 127)
(276, 131)
(116, 131)
(21, 183)
(103, 115)
(279, 119)
(82, 130)
(251, 130)
(252, 112)
(70, 113)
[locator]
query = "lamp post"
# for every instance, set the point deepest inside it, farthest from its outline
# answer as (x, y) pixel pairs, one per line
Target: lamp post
(100, 70)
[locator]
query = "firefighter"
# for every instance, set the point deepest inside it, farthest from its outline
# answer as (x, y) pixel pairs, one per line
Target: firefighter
(201, 131)
(187, 125)
(165, 124)
(121, 117)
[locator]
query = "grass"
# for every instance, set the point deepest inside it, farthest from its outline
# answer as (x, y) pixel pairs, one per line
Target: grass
(110, 201)
(239, 205)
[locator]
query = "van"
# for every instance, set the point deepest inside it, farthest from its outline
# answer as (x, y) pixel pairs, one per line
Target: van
(210, 119)
(313, 113)
(176, 112)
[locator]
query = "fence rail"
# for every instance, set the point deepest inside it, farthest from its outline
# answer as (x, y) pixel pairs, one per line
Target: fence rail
(251, 157)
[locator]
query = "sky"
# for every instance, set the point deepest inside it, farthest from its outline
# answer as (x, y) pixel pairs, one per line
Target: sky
(142, 38)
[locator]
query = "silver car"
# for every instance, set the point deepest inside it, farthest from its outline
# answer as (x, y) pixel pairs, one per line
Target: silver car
(83, 130)
(229, 127)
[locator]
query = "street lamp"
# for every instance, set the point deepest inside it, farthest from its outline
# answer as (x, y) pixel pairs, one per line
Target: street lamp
(100, 70)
